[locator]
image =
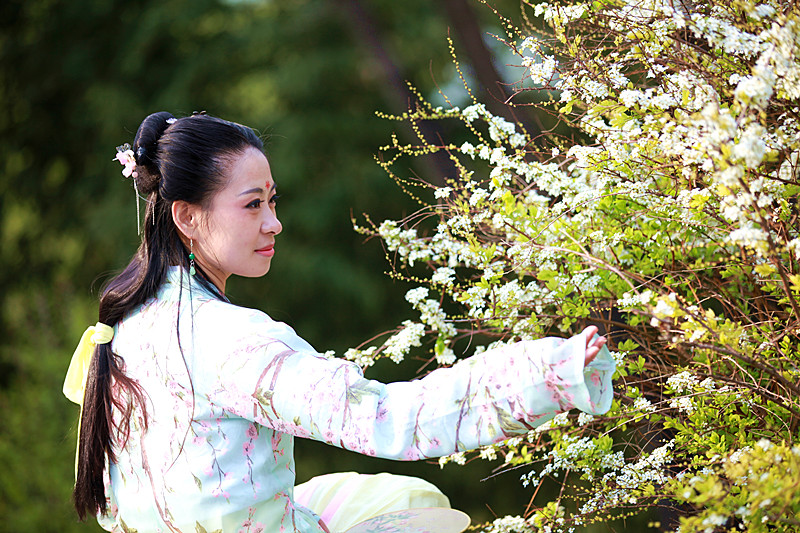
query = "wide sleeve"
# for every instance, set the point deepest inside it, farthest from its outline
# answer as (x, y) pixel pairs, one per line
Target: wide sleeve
(285, 385)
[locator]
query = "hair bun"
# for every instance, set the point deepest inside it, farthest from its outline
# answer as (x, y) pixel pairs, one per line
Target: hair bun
(145, 149)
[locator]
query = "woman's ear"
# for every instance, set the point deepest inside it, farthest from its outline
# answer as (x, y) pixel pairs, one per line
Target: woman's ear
(186, 217)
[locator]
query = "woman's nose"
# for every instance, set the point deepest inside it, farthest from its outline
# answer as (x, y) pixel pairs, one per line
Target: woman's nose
(271, 224)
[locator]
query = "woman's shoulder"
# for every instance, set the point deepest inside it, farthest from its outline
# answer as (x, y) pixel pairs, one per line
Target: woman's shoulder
(216, 322)
(219, 314)
(244, 326)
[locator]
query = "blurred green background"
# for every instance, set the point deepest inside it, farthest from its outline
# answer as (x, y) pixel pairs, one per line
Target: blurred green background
(76, 79)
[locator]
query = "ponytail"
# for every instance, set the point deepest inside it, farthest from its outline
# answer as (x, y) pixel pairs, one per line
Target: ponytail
(107, 389)
(97, 427)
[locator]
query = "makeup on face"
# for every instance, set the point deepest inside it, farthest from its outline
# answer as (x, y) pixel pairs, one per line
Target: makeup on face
(243, 222)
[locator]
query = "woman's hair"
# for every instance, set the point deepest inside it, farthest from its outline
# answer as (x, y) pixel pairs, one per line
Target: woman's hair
(176, 159)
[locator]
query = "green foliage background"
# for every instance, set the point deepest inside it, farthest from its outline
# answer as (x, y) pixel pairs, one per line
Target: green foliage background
(76, 78)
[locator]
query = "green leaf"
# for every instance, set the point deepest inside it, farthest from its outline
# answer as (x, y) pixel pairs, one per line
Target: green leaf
(441, 345)
(627, 345)
(764, 269)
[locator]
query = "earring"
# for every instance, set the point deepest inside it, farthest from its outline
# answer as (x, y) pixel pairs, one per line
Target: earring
(192, 271)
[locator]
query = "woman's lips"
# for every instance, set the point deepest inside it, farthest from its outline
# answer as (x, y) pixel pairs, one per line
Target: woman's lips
(267, 251)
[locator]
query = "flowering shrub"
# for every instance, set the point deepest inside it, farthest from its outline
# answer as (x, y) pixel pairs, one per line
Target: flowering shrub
(663, 206)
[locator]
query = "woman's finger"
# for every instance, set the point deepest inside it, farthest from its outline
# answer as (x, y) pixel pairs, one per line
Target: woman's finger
(593, 345)
(589, 332)
(591, 353)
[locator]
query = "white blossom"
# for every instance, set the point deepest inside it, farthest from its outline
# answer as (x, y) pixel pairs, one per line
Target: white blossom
(643, 404)
(473, 112)
(398, 345)
(443, 275)
(417, 295)
(682, 382)
(442, 192)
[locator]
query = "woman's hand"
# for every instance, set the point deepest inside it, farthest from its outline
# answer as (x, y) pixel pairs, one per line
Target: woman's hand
(592, 346)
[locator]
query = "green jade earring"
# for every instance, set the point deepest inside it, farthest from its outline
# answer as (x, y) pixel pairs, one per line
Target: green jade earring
(192, 270)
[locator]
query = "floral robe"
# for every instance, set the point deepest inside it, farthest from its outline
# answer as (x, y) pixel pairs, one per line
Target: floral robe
(217, 454)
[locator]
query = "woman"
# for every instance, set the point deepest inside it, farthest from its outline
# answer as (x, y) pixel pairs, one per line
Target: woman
(191, 404)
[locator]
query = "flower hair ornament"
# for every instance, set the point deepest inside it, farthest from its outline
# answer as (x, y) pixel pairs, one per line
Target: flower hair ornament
(128, 160)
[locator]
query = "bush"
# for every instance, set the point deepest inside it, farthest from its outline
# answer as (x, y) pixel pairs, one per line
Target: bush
(661, 205)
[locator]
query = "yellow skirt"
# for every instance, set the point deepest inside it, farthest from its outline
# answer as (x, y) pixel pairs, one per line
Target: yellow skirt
(344, 499)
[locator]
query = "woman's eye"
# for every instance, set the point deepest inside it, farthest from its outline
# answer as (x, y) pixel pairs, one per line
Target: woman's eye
(255, 203)
(274, 198)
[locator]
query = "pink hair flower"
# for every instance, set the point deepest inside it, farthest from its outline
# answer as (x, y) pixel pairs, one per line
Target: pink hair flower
(127, 159)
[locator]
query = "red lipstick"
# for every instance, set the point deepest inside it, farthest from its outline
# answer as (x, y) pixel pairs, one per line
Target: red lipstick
(267, 251)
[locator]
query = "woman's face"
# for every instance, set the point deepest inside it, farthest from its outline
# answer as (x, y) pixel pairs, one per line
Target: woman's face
(237, 233)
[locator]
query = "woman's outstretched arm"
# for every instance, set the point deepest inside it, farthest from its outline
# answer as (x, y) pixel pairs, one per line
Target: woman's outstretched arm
(480, 400)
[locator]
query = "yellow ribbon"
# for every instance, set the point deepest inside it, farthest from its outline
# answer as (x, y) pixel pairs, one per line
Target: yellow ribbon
(75, 382)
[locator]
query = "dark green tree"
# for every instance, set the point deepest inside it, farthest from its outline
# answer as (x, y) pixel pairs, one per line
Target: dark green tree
(77, 77)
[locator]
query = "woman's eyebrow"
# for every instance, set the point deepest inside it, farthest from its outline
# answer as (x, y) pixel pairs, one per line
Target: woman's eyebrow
(257, 190)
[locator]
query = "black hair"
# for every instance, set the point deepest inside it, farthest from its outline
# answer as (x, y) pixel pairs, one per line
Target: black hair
(176, 159)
